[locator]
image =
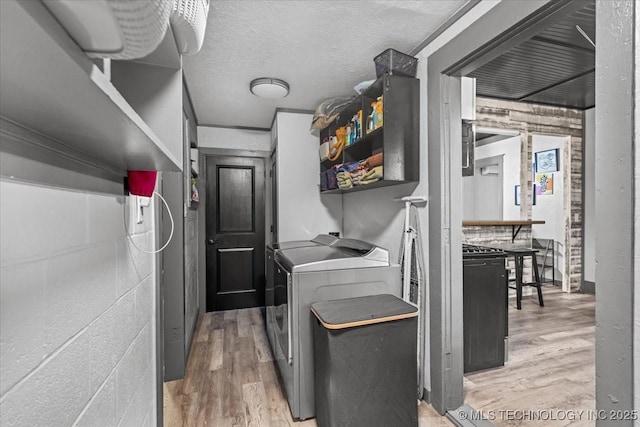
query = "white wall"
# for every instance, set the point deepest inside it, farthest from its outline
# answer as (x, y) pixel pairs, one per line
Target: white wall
(509, 149)
(233, 139)
(303, 212)
(77, 310)
(589, 266)
(550, 208)
(483, 193)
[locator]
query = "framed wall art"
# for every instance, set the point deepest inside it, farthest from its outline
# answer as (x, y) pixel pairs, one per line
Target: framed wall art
(544, 184)
(547, 161)
(516, 191)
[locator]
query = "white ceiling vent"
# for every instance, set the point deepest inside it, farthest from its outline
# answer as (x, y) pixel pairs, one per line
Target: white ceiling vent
(111, 28)
(189, 22)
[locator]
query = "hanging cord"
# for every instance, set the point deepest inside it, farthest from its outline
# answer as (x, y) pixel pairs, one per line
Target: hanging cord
(170, 234)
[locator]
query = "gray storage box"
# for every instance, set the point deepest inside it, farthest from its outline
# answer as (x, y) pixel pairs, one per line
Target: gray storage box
(365, 362)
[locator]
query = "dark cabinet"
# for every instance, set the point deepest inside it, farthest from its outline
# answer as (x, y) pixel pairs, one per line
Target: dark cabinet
(398, 139)
(484, 313)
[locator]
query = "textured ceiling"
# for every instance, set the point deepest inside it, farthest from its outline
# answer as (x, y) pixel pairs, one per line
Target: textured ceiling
(321, 48)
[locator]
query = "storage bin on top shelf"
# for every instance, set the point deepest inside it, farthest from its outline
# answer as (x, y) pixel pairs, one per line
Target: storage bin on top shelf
(383, 122)
(395, 62)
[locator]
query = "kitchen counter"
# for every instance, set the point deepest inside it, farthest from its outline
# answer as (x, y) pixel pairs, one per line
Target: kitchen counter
(500, 223)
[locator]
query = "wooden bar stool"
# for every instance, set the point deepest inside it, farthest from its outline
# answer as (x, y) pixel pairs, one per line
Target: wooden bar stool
(519, 256)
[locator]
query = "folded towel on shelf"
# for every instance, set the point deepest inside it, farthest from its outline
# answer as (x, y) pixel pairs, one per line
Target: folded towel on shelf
(344, 180)
(373, 175)
(345, 185)
(332, 181)
(357, 175)
(343, 176)
(356, 166)
(369, 181)
(373, 161)
(350, 167)
(324, 180)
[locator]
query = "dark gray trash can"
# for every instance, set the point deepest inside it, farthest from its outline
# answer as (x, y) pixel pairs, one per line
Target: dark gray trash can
(365, 362)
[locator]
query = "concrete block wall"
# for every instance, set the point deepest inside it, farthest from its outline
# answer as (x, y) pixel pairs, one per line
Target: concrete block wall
(77, 309)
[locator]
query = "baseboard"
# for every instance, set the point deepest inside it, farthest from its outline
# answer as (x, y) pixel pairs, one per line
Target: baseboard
(588, 287)
(426, 396)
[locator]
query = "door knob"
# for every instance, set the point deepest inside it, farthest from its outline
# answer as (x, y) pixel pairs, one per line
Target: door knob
(212, 241)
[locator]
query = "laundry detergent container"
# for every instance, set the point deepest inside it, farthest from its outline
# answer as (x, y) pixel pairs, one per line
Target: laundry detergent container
(365, 362)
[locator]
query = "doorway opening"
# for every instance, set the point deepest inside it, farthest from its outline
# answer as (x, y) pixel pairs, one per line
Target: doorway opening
(542, 165)
(484, 41)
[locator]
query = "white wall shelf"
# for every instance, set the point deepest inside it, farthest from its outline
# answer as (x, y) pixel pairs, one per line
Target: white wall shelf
(49, 85)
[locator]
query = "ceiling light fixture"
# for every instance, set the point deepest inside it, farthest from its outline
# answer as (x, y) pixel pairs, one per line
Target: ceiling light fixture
(267, 87)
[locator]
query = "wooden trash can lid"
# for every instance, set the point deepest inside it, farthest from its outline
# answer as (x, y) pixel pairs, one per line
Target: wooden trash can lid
(361, 311)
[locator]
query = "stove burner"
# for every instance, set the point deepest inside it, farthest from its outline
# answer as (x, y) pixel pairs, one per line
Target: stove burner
(475, 251)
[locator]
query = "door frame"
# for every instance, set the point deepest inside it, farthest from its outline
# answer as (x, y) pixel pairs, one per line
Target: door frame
(501, 28)
(203, 152)
(159, 326)
(244, 242)
(272, 193)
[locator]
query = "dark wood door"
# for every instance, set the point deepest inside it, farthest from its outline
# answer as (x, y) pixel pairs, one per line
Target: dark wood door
(235, 232)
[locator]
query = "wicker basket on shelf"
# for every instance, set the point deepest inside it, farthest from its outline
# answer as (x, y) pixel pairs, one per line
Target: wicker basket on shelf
(189, 22)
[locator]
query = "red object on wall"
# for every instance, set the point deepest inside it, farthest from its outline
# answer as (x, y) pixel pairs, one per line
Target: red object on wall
(142, 183)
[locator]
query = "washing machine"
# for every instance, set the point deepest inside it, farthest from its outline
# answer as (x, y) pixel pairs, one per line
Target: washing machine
(271, 269)
(304, 275)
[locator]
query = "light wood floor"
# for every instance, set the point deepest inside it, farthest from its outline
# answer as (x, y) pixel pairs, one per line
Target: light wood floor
(231, 379)
(551, 363)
